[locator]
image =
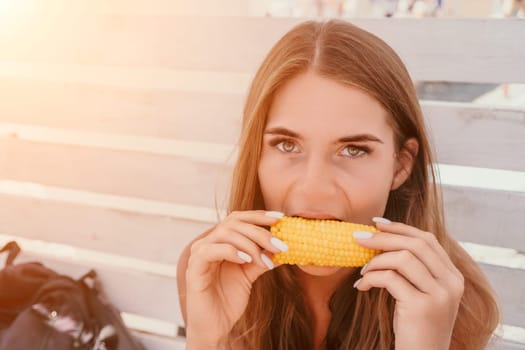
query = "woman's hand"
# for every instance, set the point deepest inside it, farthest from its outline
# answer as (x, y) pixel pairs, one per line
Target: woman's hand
(221, 270)
(418, 273)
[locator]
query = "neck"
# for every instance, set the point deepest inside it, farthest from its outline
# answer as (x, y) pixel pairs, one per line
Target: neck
(319, 289)
(317, 293)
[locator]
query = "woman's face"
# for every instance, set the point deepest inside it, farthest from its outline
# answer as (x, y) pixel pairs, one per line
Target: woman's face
(328, 152)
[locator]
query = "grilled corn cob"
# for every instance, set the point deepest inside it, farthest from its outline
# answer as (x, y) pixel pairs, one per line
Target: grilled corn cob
(321, 242)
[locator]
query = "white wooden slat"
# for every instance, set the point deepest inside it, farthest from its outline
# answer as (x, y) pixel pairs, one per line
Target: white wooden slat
(511, 337)
(124, 286)
(485, 178)
(227, 43)
(506, 345)
(198, 151)
(101, 200)
(150, 237)
(136, 7)
(170, 179)
(510, 334)
(495, 256)
(128, 77)
(153, 342)
(470, 135)
(164, 113)
(510, 289)
(148, 325)
(511, 346)
(3, 150)
(485, 216)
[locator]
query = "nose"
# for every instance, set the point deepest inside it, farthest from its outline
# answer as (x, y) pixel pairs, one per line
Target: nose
(317, 181)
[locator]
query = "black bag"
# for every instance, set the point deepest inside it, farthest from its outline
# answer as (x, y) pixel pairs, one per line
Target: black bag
(41, 309)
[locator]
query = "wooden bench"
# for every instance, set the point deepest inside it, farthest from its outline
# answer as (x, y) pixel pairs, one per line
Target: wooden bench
(117, 130)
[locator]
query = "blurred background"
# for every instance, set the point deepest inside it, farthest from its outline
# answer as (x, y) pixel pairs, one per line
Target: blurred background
(387, 8)
(500, 94)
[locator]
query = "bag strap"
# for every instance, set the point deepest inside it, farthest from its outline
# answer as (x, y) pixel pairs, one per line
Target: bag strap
(91, 274)
(13, 249)
(91, 280)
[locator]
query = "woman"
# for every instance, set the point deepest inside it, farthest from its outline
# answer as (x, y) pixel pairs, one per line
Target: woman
(332, 129)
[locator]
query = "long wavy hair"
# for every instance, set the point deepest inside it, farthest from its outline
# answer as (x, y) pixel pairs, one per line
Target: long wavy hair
(276, 316)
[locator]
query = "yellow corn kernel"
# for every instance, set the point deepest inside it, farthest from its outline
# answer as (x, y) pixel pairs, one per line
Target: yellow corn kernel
(321, 242)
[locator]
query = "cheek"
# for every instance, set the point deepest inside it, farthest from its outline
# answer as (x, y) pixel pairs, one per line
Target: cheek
(272, 185)
(367, 189)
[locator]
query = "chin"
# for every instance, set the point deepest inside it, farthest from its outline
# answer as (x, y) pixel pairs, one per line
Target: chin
(319, 270)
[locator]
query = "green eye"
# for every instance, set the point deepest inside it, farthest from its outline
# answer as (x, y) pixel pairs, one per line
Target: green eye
(354, 151)
(287, 147)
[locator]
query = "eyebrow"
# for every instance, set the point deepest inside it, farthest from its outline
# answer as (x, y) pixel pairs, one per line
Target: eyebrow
(350, 138)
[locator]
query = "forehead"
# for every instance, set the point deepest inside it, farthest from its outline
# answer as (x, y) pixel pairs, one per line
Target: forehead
(312, 104)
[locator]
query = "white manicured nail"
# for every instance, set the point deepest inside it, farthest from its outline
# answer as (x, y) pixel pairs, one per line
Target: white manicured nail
(362, 234)
(267, 261)
(277, 243)
(379, 220)
(244, 256)
(356, 283)
(363, 269)
(274, 214)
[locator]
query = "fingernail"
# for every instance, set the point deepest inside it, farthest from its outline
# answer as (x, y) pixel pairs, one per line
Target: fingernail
(277, 243)
(362, 234)
(244, 256)
(379, 220)
(274, 214)
(266, 260)
(363, 269)
(356, 283)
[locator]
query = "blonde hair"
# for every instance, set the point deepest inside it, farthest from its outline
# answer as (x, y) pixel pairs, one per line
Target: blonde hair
(276, 318)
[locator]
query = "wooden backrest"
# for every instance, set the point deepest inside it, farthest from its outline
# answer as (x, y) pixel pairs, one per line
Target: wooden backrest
(117, 125)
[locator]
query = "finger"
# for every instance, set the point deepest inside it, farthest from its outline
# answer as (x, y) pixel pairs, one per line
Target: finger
(240, 241)
(253, 271)
(428, 237)
(393, 242)
(405, 264)
(256, 217)
(247, 237)
(206, 254)
(261, 236)
(396, 285)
